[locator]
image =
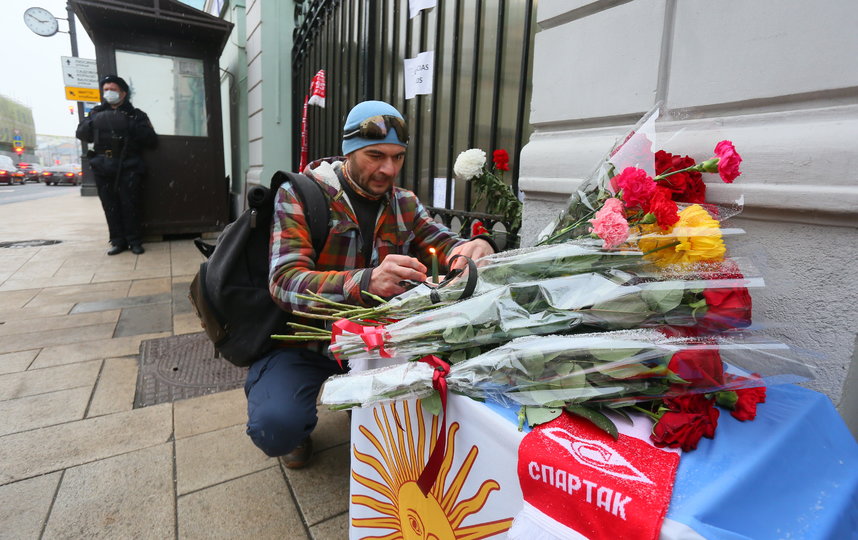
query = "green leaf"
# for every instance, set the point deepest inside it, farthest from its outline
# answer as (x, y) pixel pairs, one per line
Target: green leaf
(600, 420)
(532, 361)
(622, 412)
(628, 311)
(662, 301)
(571, 375)
(698, 304)
(458, 356)
(432, 403)
(540, 415)
(613, 355)
(458, 334)
(627, 371)
(547, 398)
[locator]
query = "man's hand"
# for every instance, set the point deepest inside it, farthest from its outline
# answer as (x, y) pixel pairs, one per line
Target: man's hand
(393, 269)
(474, 249)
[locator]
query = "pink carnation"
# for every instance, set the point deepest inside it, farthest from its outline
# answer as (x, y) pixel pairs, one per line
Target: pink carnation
(637, 186)
(729, 161)
(610, 223)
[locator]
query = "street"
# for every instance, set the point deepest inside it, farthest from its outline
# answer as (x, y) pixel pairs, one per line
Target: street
(28, 192)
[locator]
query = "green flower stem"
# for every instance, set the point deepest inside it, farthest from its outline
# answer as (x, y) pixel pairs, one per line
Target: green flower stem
(670, 245)
(319, 316)
(565, 230)
(378, 299)
(309, 329)
(651, 414)
(295, 337)
(313, 297)
(710, 165)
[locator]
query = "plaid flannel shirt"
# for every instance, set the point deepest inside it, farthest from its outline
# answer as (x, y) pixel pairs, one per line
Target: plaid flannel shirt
(340, 272)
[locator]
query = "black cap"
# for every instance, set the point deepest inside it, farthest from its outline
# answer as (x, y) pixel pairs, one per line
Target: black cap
(114, 79)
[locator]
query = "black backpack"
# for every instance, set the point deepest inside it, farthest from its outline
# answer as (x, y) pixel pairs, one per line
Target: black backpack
(230, 291)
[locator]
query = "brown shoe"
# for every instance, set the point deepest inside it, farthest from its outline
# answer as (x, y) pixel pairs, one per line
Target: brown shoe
(300, 456)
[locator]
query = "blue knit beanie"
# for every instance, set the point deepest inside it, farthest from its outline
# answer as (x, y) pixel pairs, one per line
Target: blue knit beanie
(361, 112)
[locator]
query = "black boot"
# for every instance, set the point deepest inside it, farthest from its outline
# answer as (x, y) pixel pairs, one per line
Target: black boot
(137, 249)
(116, 249)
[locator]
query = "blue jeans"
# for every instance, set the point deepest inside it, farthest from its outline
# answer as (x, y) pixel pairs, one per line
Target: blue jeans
(281, 390)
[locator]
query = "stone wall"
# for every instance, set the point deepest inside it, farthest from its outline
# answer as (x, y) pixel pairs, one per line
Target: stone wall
(777, 77)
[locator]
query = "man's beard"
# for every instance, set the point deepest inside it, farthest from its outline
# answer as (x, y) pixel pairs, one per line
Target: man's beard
(361, 184)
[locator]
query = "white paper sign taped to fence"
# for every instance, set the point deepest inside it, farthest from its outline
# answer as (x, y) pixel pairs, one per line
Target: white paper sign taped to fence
(416, 6)
(439, 193)
(418, 74)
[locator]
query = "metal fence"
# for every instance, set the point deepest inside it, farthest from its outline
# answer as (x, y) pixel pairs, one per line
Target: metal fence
(480, 93)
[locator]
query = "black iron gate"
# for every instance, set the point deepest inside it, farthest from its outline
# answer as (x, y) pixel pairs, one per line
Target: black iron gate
(480, 93)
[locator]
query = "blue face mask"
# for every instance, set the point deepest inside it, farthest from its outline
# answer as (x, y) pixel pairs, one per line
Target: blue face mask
(111, 96)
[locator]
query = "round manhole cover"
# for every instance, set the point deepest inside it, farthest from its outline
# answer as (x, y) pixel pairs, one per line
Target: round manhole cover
(29, 243)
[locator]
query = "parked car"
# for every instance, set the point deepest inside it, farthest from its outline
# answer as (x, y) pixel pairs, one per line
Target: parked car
(19, 177)
(62, 174)
(7, 169)
(32, 172)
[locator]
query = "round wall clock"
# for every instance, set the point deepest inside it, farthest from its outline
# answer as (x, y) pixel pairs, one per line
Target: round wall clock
(41, 21)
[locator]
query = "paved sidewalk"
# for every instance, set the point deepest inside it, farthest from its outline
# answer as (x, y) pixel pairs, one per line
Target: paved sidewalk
(76, 461)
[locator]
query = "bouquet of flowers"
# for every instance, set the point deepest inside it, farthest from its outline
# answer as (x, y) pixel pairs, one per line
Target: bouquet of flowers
(676, 381)
(628, 303)
(489, 186)
(494, 271)
(597, 300)
(637, 190)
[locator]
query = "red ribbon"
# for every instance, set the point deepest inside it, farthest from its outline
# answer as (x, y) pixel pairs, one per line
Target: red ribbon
(372, 336)
(433, 466)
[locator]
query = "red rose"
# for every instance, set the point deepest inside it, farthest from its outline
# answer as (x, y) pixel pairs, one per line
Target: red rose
(728, 162)
(637, 186)
(684, 430)
(701, 367)
(501, 159)
(728, 308)
(683, 401)
(665, 210)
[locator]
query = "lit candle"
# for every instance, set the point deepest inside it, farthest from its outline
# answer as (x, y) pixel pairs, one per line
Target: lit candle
(434, 265)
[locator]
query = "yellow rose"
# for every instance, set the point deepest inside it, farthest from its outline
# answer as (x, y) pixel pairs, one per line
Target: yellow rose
(695, 237)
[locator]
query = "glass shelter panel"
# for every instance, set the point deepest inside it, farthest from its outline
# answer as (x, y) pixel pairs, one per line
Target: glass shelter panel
(170, 89)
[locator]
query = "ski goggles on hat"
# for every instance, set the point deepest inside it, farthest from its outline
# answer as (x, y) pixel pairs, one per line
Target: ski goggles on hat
(378, 127)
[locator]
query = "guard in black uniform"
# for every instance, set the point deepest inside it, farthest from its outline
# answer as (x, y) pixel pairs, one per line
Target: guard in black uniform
(118, 132)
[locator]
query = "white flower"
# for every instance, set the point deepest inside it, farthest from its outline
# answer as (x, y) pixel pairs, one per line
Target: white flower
(470, 163)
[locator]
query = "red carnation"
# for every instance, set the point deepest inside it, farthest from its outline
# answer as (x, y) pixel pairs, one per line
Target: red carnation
(746, 405)
(686, 186)
(695, 190)
(637, 186)
(747, 398)
(477, 228)
(501, 159)
(728, 162)
(663, 208)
